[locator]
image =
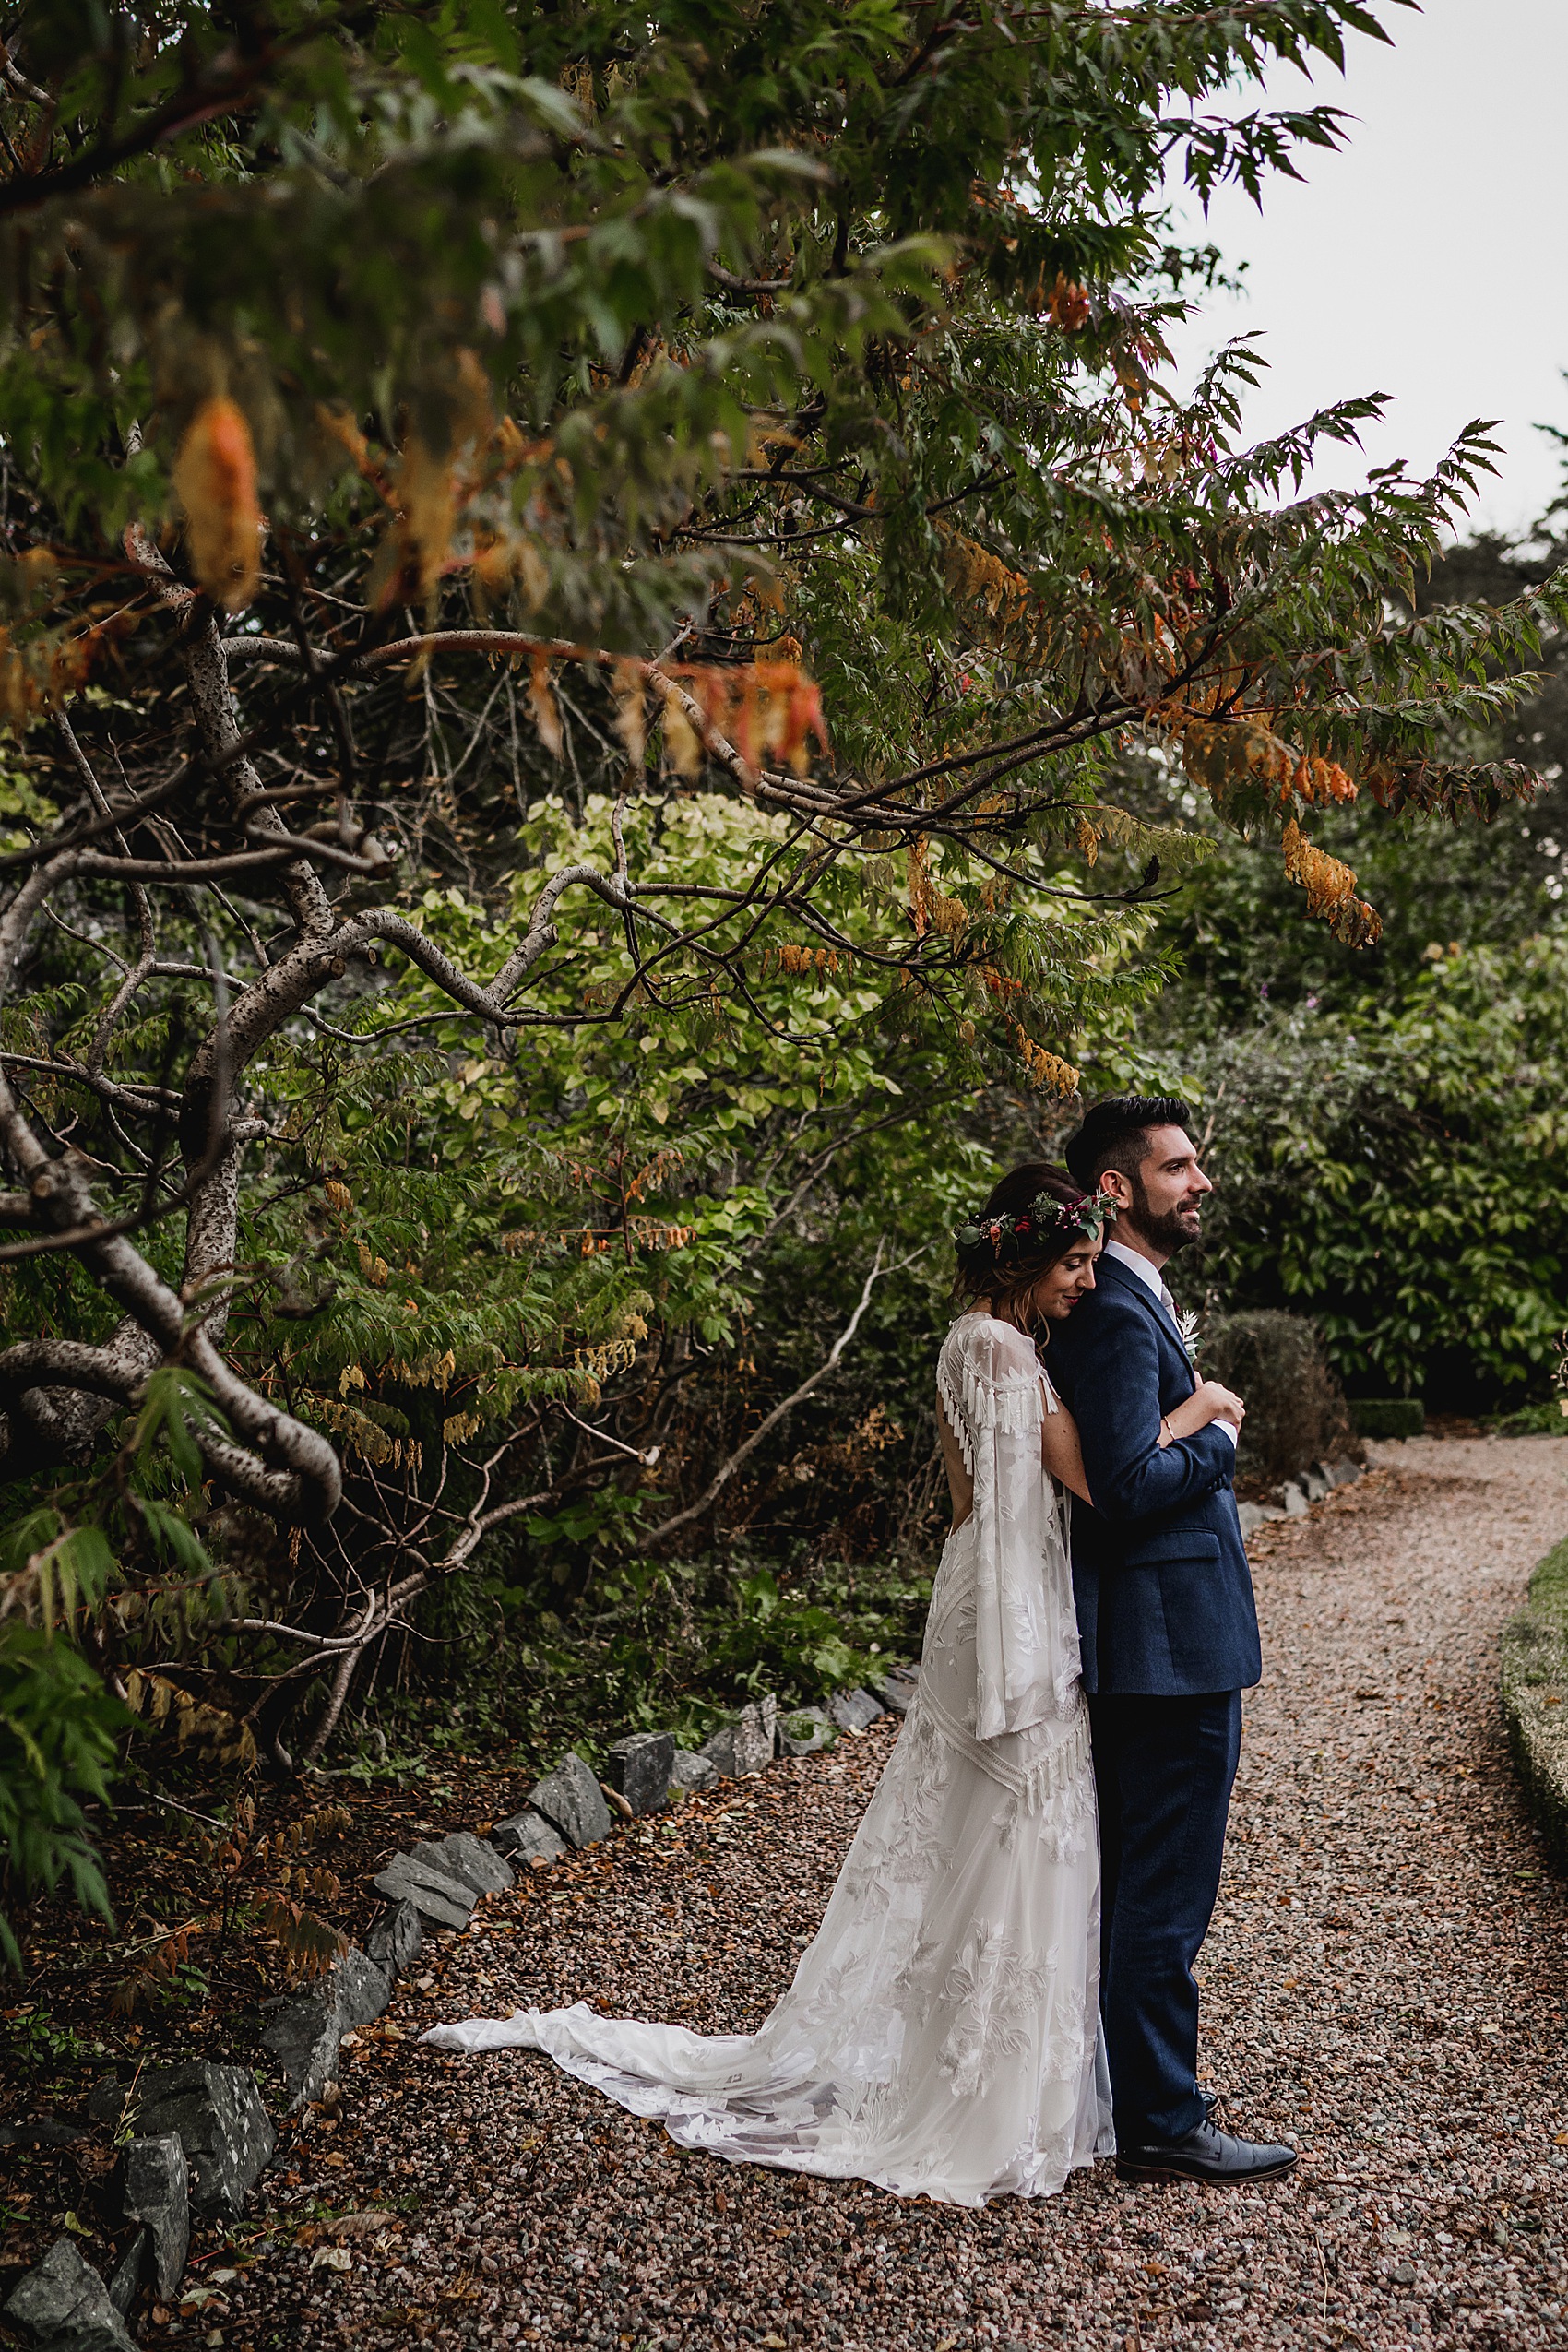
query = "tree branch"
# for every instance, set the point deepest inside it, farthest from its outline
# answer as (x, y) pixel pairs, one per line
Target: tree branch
(743, 1453)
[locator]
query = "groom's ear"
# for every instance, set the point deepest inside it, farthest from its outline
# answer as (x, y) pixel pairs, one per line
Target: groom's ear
(1117, 1185)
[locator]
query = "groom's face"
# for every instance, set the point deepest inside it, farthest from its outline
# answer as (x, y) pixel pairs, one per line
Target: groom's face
(1167, 1193)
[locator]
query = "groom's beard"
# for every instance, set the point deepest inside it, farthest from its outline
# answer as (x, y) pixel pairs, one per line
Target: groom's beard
(1169, 1230)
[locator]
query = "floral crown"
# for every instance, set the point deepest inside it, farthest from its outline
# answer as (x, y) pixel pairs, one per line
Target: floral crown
(1045, 1214)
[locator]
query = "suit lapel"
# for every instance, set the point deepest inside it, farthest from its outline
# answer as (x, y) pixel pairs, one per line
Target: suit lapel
(1112, 1269)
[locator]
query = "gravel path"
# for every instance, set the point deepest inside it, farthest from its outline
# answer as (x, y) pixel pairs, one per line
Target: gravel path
(1383, 1985)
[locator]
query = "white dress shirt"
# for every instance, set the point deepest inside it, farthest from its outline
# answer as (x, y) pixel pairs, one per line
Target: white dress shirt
(1146, 1271)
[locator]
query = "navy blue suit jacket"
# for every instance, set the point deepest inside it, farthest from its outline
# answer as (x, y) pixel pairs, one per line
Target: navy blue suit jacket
(1159, 1570)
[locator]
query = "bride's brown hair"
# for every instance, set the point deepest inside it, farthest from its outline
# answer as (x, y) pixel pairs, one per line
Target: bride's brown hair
(1003, 1266)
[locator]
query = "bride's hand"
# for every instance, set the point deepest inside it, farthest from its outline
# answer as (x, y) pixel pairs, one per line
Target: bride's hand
(1210, 1401)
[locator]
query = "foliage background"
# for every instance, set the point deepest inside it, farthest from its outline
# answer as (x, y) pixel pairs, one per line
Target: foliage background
(822, 351)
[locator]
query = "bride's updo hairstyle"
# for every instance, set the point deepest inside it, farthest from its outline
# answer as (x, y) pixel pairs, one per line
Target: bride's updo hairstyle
(1025, 1226)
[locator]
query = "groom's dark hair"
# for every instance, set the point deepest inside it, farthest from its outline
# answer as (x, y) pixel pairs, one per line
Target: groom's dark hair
(1115, 1133)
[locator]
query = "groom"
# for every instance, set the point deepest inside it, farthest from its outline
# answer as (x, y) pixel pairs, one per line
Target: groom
(1170, 1639)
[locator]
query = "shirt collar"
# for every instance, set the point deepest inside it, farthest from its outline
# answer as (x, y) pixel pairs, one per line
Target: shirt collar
(1145, 1270)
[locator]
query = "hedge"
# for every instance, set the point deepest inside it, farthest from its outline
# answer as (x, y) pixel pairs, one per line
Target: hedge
(1535, 1697)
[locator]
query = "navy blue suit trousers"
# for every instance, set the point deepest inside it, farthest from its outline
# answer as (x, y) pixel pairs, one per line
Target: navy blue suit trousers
(1163, 1770)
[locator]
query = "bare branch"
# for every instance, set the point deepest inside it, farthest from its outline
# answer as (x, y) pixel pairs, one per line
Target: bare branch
(743, 1453)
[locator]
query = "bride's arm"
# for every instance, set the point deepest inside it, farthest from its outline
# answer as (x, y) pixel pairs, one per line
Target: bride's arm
(1060, 1449)
(1208, 1402)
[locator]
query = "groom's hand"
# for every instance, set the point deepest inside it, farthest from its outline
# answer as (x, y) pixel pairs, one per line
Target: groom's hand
(1223, 1402)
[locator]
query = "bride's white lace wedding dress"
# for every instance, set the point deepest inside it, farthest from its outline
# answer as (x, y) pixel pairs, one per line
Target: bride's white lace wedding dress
(941, 2035)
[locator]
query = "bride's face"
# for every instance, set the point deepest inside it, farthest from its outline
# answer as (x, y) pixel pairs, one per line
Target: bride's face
(1062, 1285)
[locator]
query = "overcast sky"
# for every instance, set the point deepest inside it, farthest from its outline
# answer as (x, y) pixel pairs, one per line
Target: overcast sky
(1428, 259)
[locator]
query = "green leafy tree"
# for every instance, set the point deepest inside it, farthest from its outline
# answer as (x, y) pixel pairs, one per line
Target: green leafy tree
(743, 427)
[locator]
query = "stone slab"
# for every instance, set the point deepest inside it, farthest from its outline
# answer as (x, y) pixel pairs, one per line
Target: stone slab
(896, 1688)
(690, 1770)
(41, 2132)
(432, 1893)
(855, 1710)
(528, 1838)
(638, 1767)
(221, 2123)
(397, 1939)
(156, 2192)
(126, 2275)
(470, 1859)
(804, 1731)
(305, 2030)
(64, 2306)
(572, 1802)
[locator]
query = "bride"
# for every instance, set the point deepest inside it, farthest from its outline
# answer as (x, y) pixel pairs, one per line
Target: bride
(941, 2037)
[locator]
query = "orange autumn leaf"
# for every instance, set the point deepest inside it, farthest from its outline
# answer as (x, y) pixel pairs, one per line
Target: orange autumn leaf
(1330, 886)
(214, 483)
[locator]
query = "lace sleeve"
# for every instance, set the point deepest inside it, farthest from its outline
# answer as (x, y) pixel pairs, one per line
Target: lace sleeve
(994, 1397)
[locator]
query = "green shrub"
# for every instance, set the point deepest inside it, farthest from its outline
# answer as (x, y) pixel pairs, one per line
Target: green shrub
(1550, 1420)
(1535, 1697)
(1296, 1414)
(1388, 1416)
(1396, 1173)
(58, 1728)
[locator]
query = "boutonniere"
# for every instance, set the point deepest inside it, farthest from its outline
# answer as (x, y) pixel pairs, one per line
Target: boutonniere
(1187, 1324)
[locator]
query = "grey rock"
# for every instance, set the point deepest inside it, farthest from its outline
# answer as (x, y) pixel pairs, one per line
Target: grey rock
(470, 1859)
(156, 2192)
(572, 1802)
(855, 1710)
(1250, 1515)
(306, 2030)
(1344, 1473)
(806, 1731)
(41, 2132)
(1293, 1500)
(691, 1769)
(435, 1892)
(638, 1766)
(745, 1745)
(397, 1939)
(126, 2275)
(221, 2124)
(895, 1688)
(721, 1752)
(527, 1838)
(1315, 1485)
(756, 1731)
(64, 2306)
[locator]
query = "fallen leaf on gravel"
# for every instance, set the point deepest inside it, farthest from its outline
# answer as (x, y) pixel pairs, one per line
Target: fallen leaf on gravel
(361, 2224)
(332, 2258)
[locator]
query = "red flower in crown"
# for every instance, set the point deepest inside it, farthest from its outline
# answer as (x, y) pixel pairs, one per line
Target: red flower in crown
(995, 1235)
(1020, 1225)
